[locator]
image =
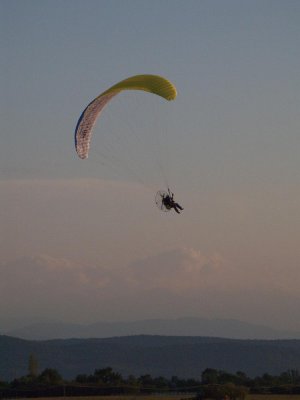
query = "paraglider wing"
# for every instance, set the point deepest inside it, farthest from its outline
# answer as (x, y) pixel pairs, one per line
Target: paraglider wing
(148, 83)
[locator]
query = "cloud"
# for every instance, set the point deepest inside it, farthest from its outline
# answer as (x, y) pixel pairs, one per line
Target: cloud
(93, 249)
(55, 288)
(176, 270)
(179, 282)
(42, 282)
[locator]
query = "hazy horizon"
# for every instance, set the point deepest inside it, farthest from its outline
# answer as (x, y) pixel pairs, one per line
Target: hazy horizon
(39, 328)
(82, 240)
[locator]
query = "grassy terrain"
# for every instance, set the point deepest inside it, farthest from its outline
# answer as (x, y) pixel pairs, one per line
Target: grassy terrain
(128, 397)
(273, 397)
(173, 397)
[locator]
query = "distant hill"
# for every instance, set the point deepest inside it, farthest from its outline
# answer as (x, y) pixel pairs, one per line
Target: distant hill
(156, 355)
(227, 328)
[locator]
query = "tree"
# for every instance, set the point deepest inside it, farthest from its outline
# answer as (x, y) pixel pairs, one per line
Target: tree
(82, 378)
(210, 376)
(50, 376)
(242, 378)
(146, 380)
(32, 366)
(108, 376)
(161, 382)
(291, 376)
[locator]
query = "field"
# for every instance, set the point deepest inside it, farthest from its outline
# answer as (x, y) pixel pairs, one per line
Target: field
(273, 397)
(173, 397)
(129, 397)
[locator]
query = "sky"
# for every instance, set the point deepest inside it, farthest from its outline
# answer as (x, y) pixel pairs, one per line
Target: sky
(82, 240)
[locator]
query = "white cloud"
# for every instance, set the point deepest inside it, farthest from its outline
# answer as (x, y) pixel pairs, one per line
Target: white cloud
(175, 283)
(93, 249)
(176, 270)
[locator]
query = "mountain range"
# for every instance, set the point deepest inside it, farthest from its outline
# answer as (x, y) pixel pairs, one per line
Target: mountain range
(182, 356)
(226, 328)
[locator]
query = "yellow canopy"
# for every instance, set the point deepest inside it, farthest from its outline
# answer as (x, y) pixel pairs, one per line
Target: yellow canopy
(148, 83)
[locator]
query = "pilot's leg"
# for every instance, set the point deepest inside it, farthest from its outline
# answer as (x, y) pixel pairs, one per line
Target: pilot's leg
(179, 206)
(176, 209)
